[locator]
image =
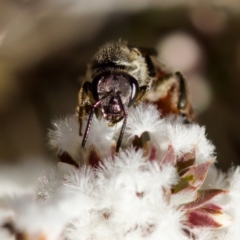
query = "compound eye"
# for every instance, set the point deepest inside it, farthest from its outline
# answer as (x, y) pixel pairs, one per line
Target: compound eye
(134, 91)
(95, 82)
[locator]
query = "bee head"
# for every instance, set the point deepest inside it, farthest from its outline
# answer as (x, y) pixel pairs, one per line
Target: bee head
(119, 90)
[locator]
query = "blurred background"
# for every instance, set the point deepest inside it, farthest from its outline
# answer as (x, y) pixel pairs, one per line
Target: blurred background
(45, 46)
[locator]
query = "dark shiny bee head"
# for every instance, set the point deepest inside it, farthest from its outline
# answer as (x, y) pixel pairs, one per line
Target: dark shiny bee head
(117, 91)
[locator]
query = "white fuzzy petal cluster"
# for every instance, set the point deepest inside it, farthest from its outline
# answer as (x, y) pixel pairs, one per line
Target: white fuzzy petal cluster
(143, 118)
(188, 138)
(215, 178)
(48, 183)
(128, 195)
(183, 138)
(129, 201)
(34, 219)
(101, 135)
(65, 136)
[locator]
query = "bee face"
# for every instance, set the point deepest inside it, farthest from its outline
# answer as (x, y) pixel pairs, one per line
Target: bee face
(118, 91)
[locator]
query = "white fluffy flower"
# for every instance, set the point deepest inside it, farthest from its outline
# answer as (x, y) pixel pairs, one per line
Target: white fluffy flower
(143, 118)
(33, 220)
(183, 138)
(101, 135)
(189, 138)
(154, 188)
(65, 138)
(48, 183)
(130, 201)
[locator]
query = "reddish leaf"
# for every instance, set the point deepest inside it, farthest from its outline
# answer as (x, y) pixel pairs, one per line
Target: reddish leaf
(183, 183)
(200, 218)
(153, 153)
(203, 197)
(186, 160)
(212, 206)
(198, 173)
(203, 218)
(170, 157)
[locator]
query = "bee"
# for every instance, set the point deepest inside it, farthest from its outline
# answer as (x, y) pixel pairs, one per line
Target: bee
(120, 76)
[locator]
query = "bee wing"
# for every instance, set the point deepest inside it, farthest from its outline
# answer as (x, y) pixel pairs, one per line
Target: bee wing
(168, 90)
(147, 51)
(156, 69)
(170, 94)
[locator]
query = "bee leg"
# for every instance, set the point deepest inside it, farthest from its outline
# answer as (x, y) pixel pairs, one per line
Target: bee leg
(83, 99)
(125, 116)
(122, 132)
(183, 98)
(142, 92)
(80, 110)
(85, 137)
